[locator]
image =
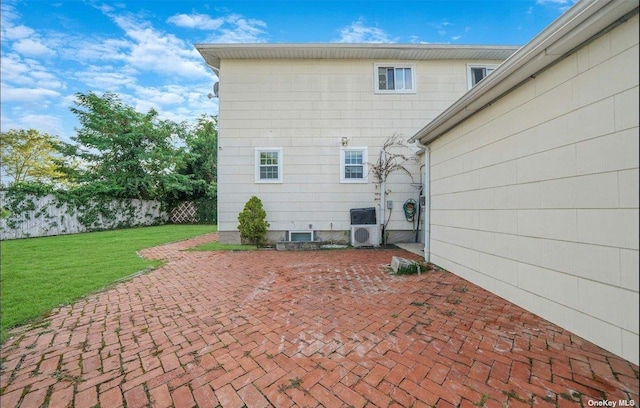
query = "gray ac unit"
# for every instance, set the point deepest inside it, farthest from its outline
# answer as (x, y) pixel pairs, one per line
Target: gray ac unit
(365, 235)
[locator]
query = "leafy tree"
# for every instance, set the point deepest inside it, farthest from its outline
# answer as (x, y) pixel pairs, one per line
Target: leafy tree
(203, 149)
(252, 222)
(200, 161)
(198, 170)
(125, 153)
(30, 156)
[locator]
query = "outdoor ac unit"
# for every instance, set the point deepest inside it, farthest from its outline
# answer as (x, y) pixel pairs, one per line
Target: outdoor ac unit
(365, 235)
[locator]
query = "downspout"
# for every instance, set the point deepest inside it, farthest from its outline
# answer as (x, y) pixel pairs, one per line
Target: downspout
(426, 191)
(214, 69)
(419, 212)
(383, 188)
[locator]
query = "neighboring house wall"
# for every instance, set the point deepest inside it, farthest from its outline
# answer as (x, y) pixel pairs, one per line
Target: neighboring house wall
(306, 108)
(535, 198)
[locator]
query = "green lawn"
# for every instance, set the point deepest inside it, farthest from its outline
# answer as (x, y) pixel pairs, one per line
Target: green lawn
(38, 274)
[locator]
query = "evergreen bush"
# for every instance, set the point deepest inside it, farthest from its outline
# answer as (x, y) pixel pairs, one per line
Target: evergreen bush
(252, 223)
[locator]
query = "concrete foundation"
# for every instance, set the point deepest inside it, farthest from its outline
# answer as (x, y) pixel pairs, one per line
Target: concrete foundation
(327, 237)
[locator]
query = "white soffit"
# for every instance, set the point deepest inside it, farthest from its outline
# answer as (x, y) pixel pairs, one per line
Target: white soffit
(213, 53)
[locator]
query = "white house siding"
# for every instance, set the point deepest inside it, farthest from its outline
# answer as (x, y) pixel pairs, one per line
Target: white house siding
(536, 197)
(306, 107)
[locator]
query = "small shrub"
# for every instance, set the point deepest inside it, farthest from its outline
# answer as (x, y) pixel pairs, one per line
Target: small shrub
(410, 269)
(252, 223)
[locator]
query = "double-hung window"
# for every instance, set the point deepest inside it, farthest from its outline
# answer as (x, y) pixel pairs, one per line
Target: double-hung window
(394, 78)
(476, 73)
(268, 165)
(353, 165)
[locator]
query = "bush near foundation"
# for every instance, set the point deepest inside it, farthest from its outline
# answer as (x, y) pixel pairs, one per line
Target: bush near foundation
(252, 223)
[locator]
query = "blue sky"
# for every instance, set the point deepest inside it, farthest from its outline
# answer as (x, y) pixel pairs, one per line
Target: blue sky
(144, 50)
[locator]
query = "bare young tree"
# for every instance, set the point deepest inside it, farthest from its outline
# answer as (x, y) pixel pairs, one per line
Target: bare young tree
(392, 158)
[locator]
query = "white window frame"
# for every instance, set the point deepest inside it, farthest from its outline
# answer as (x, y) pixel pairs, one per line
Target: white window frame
(310, 233)
(365, 169)
(260, 150)
(489, 67)
(395, 66)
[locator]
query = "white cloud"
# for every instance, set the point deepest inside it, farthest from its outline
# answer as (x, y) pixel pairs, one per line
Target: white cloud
(50, 124)
(15, 70)
(232, 28)
(92, 50)
(33, 48)
(19, 120)
(31, 95)
(8, 28)
(441, 27)
(238, 29)
(23, 39)
(151, 50)
(10, 32)
(47, 80)
(106, 78)
(19, 72)
(198, 21)
(562, 5)
(357, 32)
(159, 97)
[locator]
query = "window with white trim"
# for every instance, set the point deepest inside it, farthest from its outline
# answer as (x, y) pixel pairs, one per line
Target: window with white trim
(353, 165)
(476, 73)
(269, 165)
(393, 78)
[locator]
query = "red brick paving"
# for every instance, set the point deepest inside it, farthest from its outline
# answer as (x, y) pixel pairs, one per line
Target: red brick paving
(305, 329)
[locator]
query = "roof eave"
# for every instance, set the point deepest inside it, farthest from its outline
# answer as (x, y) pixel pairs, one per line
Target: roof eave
(213, 53)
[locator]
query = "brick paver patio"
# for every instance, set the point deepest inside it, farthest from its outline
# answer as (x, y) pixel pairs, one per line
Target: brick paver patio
(305, 329)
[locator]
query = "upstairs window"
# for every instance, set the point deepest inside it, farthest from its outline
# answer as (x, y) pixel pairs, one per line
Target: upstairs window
(269, 165)
(353, 165)
(395, 78)
(477, 73)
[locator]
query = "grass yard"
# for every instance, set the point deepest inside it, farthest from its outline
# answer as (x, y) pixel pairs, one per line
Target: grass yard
(38, 274)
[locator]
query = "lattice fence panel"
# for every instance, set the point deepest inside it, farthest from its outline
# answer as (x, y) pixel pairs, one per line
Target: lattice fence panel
(185, 213)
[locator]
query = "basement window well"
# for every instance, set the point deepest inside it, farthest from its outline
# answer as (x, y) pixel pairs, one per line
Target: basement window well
(301, 236)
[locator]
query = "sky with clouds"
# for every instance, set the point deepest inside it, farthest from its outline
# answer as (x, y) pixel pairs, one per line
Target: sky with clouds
(143, 50)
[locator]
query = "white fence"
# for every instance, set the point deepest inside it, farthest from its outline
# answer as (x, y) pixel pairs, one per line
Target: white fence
(46, 216)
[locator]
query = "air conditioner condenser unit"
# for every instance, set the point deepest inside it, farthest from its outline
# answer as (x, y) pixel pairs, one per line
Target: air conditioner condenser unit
(365, 235)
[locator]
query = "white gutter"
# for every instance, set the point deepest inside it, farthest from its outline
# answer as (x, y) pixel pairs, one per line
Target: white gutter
(584, 20)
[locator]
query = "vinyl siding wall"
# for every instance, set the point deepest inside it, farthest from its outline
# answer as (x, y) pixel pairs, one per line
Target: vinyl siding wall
(306, 107)
(535, 198)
